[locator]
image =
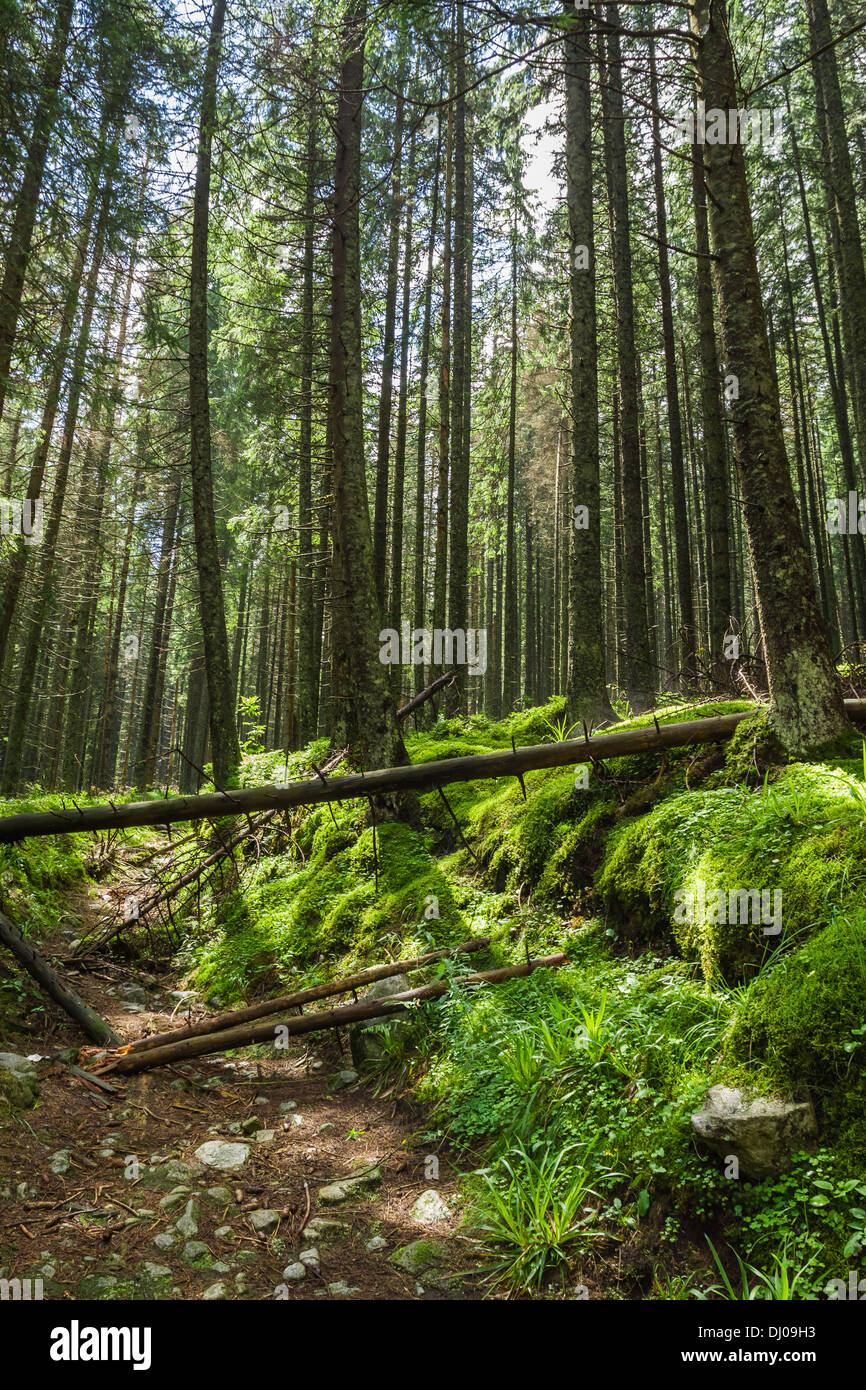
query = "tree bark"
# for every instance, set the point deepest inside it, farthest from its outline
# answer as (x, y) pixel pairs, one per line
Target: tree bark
(225, 749)
(94, 1027)
(372, 716)
(21, 233)
(639, 682)
(806, 701)
(586, 696)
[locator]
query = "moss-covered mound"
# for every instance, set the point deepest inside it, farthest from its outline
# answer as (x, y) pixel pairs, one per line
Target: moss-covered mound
(804, 1021)
(684, 868)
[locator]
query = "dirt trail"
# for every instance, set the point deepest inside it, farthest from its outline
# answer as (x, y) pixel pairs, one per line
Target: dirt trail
(102, 1194)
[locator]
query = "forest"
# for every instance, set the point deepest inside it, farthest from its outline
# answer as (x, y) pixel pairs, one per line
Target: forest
(432, 650)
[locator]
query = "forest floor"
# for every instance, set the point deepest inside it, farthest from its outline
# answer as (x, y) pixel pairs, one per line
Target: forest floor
(107, 1199)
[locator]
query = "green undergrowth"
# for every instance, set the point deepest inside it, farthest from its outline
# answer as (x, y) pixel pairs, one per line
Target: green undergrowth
(327, 897)
(36, 873)
(803, 837)
(568, 1095)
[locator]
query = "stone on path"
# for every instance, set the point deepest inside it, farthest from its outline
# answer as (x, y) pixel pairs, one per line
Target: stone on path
(219, 1153)
(430, 1208)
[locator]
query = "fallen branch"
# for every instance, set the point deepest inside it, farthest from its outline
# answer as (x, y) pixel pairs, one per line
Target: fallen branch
(305, 996)
(94, 1027)
(417, 700)
(124, 1061)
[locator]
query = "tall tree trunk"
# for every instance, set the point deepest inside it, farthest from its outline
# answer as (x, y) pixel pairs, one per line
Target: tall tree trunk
(308, 675)
(20, 240)
(586, 688)
(372, 719)
(396, 612)
(511, 636)
(715, 460)
(458, 568)
(389, 343)
(418, 592)
(440, 568)
(638, 682)
(688, 637)
(45, 578)
(225, 748)
(806, 701)
(840, 183)
(18, 565)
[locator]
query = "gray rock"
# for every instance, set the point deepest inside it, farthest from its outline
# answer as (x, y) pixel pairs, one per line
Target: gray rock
(134, 993)
(195, 1250)
(352, 1186)
(418, 1256)
(287, 1105)
(294, 1273)
(174, 1199)
(342, 1290)
(165, 1176)
(266, 1136)
(310, 1258)
(224, 1233)
(430, 1208)
(187, 1225)
(19, 1082)
(59, 1162)
(366, 1042)
(164, 1241)
(214, 1292)
(377, 1243)
(223, 1196)
(264, 1220)
(156, 1271)
(96, 1286)
(342, 1080)
(218, 1153)
(327, 1128)
(322, 1228)
(251, 1125)
(763, 1133)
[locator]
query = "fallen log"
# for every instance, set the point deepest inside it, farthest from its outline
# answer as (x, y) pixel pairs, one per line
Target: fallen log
(267, 1007)
(94, 1027)
(414, 777)
(124, 1061)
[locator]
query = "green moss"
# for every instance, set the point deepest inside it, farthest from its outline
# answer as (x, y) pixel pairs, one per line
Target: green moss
(287, 914)
(35, 873)
(804, 837)
(753, 751)
(806, 1019)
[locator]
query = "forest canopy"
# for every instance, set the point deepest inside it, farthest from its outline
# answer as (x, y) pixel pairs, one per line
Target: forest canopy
(533, 336)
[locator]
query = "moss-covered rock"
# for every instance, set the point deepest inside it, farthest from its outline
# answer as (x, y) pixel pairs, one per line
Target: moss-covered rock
(806, 1021)
(19, 1084)
(805, 838)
